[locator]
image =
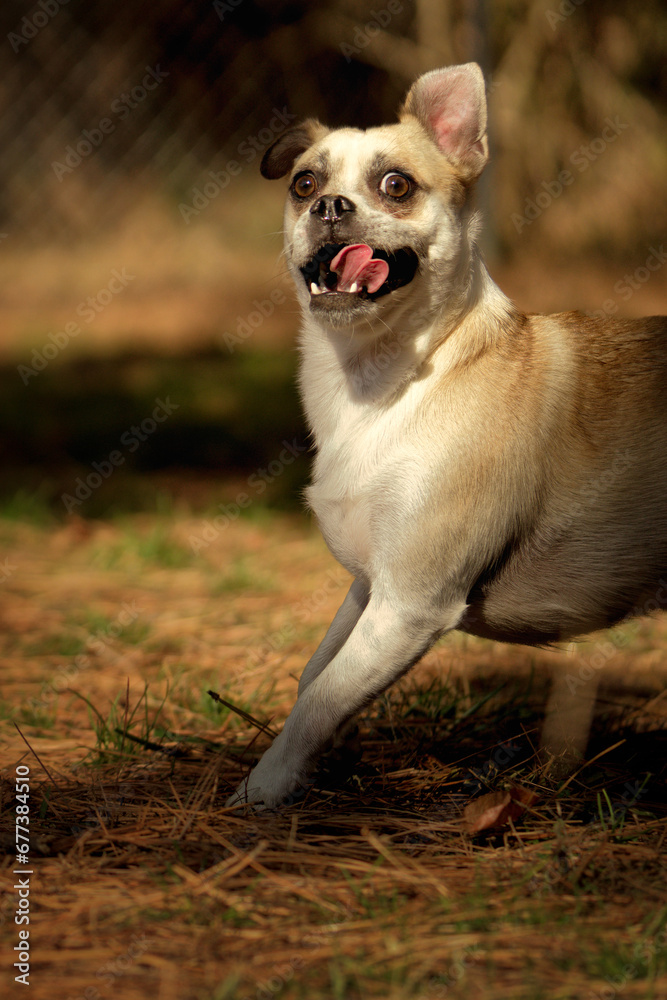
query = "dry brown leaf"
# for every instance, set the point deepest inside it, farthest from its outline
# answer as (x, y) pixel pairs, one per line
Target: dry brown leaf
(496, 808)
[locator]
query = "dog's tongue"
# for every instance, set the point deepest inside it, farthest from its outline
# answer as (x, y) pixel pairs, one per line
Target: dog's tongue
(355, 264)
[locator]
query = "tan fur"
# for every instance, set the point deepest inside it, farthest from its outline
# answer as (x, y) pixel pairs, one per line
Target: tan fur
(476, 468)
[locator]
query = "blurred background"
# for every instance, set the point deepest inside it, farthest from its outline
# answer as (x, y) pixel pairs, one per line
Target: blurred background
(146, 322)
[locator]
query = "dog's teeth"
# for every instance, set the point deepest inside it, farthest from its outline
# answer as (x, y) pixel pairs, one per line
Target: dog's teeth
(314, 290)
(354, 287)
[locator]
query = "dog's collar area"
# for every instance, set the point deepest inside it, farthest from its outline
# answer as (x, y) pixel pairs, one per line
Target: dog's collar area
(377, 271)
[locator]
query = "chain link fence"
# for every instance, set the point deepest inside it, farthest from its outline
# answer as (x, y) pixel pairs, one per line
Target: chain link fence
(100, 101)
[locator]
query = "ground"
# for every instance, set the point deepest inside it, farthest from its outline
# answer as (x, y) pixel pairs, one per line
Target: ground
(143, 883)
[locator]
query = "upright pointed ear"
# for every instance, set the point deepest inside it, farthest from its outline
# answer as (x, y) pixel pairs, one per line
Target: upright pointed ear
(278, 159)
(451, 105)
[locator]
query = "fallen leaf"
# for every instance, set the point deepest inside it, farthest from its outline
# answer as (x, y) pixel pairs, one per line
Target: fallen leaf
(496, 808)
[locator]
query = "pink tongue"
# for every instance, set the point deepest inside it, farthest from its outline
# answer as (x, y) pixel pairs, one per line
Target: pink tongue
(355, 263)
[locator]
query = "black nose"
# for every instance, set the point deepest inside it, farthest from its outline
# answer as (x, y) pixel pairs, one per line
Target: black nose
(332, 207)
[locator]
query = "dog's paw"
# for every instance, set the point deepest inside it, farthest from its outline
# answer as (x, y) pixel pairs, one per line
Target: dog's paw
(269, 792)
(242, 797)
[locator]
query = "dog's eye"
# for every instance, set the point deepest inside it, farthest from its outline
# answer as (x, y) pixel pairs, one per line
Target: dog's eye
(304, 186)
(395, 185)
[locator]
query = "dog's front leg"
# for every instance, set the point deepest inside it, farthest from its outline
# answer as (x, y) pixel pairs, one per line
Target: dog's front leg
(384, 643)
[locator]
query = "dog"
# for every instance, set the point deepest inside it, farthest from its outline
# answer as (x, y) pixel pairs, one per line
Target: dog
(476, 468)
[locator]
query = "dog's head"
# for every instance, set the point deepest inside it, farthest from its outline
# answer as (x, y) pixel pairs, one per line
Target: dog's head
(378, 220)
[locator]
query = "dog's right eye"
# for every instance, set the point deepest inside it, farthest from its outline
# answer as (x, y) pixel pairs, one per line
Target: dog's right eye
(304, 185)
(396, 185)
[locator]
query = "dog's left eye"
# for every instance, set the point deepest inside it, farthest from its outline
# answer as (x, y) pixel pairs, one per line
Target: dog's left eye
(395, 185)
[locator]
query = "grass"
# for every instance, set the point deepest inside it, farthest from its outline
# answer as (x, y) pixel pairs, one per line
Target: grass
(40, 718)
(95, 407)
(114, 737)
(137, 548)
(240, 577)
(370, 886)
(205, 707)
(24, 505)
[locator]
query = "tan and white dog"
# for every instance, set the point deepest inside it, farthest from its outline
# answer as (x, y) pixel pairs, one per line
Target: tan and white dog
(476, 468)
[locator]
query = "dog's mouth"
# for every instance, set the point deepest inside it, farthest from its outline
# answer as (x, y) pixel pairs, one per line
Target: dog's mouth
(358, 270)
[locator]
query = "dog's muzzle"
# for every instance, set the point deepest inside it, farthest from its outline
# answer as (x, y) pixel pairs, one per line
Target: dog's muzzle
(356, 269)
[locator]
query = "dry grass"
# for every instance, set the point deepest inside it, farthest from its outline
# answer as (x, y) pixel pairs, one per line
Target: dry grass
(145, 885)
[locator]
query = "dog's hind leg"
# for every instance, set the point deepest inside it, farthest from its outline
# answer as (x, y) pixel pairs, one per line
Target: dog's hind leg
(567, 721)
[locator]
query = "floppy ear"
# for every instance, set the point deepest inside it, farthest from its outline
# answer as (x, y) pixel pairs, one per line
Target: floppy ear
(451, 105)
(278, 159)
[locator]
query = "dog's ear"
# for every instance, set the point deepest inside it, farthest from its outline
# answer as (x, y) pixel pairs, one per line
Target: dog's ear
(451, 105)
(278, 159)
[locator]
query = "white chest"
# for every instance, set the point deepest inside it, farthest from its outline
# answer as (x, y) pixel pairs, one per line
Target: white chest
(368, 477)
